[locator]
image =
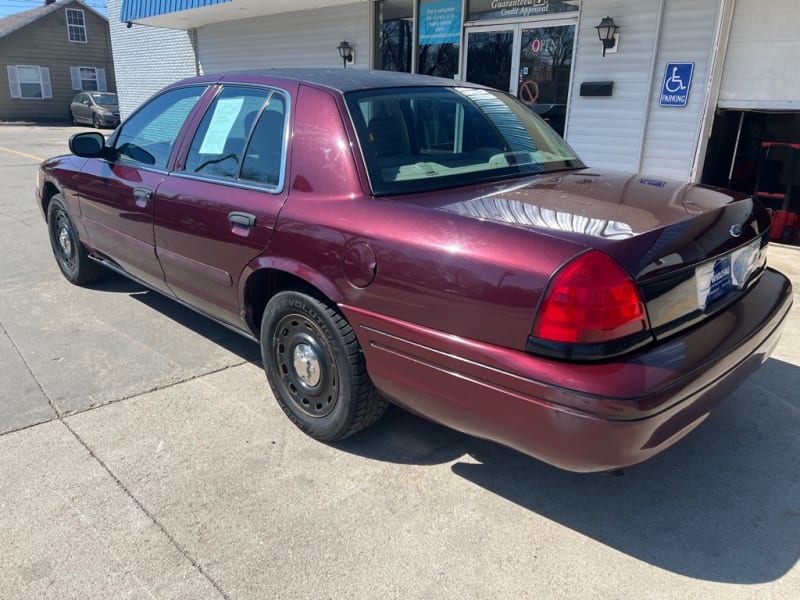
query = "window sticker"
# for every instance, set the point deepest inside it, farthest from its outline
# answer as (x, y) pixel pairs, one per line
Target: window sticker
(222, 120)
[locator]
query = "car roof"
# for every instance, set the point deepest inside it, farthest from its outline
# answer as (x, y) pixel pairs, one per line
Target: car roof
(343, 80)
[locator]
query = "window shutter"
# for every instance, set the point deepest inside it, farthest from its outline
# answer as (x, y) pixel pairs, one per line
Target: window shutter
(75, 74)
(13, 82)
(101, 80)
(47, 89)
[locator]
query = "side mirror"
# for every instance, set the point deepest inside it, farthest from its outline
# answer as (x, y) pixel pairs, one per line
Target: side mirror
(89, 144)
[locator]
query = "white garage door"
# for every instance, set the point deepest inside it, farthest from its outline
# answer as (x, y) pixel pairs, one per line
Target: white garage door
(762, 56)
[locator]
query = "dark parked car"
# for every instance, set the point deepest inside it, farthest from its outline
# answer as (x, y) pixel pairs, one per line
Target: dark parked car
(100, 109)
(433, 243)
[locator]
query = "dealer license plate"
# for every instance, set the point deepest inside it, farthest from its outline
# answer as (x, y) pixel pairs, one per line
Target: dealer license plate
(713, 281)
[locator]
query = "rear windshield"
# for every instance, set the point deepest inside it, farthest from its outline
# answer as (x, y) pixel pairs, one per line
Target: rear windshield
(421, 139)
(105, 99)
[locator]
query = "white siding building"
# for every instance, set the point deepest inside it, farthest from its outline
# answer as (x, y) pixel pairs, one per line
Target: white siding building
(545, 51)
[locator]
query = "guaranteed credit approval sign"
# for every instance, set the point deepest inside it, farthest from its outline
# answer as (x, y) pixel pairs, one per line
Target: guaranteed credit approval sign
(677, 81)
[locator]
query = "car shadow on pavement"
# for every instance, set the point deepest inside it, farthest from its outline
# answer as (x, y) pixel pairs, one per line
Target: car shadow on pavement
(224, 337)
(722, 505)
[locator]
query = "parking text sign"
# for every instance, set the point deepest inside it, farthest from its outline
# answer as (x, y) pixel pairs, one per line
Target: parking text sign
(677, 80)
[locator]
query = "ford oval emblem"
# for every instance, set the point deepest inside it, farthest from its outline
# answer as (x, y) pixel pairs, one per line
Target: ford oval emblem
(736, 230)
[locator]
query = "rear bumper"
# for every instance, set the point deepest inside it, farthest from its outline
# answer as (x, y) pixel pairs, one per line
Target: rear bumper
(580, 417)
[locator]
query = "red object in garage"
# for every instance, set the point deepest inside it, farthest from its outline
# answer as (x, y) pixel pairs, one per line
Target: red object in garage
(784, 226)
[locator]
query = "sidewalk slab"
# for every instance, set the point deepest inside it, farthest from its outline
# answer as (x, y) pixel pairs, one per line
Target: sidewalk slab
(409, 509)
(22, 403)
(70, 531)
(88, 347)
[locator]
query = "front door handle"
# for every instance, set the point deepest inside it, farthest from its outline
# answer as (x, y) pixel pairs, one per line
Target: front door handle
(242, 219)
(142, 196)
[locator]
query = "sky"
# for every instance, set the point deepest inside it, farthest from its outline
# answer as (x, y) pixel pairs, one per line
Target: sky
(9, 7)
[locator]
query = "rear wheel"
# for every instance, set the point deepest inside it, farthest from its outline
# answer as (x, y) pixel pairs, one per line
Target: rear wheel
(316, 369)
(71, 256)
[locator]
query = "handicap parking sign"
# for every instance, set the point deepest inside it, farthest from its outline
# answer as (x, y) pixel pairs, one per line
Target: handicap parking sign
(677, 79)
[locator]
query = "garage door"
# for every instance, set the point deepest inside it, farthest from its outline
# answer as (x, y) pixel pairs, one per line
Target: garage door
(762, 52)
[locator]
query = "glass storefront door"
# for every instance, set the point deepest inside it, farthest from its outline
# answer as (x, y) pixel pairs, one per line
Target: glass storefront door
(531, 61)
(489, 56)
(545, 66)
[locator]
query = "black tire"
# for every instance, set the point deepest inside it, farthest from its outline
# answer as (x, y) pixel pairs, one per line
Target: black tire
(74, 118)
(96, 122)
(334, 397)
(71, 256)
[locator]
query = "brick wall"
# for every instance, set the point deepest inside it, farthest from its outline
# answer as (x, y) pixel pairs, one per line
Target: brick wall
(147, 58)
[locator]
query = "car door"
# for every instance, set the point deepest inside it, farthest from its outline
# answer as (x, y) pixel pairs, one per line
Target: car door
(217, 210)
(116, 195)
(78, 107)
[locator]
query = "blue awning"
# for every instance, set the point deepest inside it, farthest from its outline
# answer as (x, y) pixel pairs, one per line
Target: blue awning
(134, 10)
(189, 14)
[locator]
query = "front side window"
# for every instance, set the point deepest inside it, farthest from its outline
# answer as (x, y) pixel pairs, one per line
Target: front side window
(76, 25)
(88, 79)
(240, 137)
(421, 139)
(29, 82)
(149, 135)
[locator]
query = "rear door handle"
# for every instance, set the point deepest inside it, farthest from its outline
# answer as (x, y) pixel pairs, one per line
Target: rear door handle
(142, 196)
(242, 219)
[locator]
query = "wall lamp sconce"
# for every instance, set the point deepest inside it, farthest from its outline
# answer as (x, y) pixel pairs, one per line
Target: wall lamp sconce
(128, 24)
(347, 53)
(607, 32)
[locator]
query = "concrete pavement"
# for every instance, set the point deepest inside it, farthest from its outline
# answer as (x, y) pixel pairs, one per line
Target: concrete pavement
(143, 456)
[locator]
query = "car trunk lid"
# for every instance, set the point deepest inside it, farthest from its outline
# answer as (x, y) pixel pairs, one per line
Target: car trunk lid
(692, 249)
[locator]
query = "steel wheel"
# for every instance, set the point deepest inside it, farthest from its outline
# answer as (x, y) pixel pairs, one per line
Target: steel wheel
(316, 368)
(65, 247)
(70, 255)
(306, 365)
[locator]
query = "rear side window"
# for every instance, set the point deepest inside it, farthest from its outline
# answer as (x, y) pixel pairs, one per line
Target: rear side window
(149, 135)
(240, 137)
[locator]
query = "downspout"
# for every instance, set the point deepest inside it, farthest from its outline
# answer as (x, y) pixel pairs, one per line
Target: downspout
(648, 99)
(373, 35)
(414, 38)
(721, 37)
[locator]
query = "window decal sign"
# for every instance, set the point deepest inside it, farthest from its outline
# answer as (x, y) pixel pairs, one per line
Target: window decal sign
(440, 22)
(676, 84)
(222, 121)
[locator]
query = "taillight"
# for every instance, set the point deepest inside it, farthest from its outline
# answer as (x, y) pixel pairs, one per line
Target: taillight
(591, 300)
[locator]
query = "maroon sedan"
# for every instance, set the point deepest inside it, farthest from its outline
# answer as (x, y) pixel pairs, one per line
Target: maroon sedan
(431, 243)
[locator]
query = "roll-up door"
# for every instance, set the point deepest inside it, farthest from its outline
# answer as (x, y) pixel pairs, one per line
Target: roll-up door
(762, 52)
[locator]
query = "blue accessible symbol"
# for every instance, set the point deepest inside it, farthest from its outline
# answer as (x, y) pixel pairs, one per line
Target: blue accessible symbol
(677, 80)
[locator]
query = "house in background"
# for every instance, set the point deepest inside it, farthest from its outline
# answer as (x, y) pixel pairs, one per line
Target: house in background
(49, 54)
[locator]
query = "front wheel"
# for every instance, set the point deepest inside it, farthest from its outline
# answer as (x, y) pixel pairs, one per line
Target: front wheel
(96, 122)
(316, 369)
(71, 256)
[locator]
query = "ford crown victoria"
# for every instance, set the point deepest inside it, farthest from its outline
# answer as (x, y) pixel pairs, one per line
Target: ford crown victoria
(396, 238)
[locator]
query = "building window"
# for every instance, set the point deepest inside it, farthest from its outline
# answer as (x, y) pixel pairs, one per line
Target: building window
(88, 79)
(439, 37)
(29, 82)
(395, 27)
(76, 25)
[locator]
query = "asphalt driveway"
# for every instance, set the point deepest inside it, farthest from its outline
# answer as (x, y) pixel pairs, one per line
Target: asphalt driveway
(142, 456)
